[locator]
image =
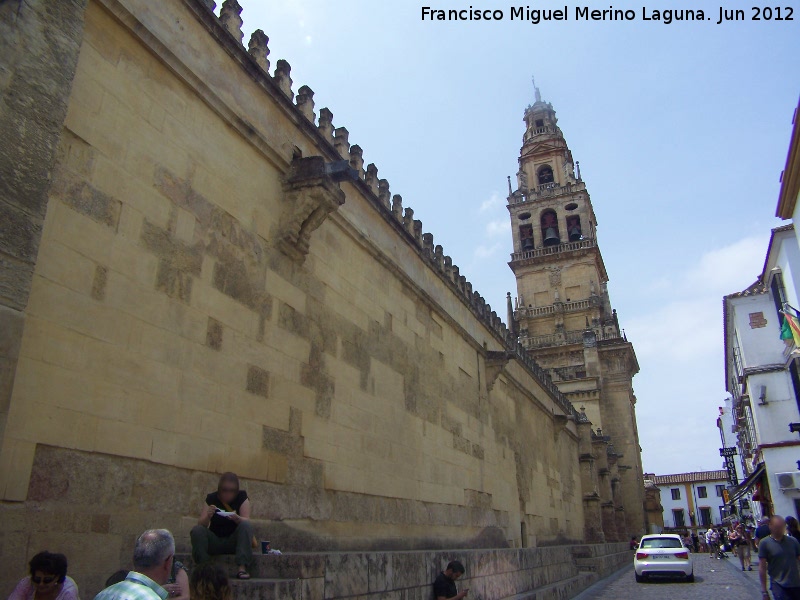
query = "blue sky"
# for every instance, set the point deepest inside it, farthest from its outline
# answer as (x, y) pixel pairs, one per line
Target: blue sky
(681, 131)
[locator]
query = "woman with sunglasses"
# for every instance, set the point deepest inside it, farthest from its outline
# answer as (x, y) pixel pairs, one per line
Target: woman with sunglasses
(224, 526)
(48, 580)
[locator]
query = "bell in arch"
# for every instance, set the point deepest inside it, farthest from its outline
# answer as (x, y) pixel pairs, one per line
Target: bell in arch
(527, 244)
(551, 237)
(575, 233)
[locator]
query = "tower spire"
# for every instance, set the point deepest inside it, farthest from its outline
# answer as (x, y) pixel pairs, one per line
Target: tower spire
(536, 89)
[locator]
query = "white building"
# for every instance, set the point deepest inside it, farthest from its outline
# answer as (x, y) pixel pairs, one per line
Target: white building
(743, 508)
(763, 377)
(692, 500)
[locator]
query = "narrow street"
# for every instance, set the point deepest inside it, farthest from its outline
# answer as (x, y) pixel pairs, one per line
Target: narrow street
(713, 579)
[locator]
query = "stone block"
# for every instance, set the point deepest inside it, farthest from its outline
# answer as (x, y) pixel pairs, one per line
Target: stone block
(20, 234)
(257, 381)
(346, 575)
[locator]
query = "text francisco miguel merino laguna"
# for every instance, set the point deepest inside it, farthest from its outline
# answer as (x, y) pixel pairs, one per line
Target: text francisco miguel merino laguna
(585, 13)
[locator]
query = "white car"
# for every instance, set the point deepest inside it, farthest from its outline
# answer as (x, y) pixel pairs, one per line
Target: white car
(663, 555)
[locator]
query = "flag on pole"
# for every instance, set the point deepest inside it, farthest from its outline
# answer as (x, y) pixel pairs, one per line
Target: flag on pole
(794, 327)
(786, 329)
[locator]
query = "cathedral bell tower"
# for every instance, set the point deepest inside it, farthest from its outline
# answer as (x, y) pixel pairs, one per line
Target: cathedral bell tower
(562, 312)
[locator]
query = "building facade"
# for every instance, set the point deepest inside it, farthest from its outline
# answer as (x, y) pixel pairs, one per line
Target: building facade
(763, 378)
(562, 311)
(653, 509)
(788, 206)
(692, 500)
(739, 504)
(201, 275)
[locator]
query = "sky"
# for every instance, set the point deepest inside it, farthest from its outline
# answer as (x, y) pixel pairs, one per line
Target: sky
(681, 131)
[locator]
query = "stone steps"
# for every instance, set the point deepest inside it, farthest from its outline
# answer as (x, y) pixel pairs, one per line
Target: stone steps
(284, 566)
(267, 589)
(545, 573)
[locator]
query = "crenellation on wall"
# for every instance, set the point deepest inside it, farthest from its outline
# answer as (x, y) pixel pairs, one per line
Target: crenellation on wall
(417, 232)
(230, 17)
(305, 102)
(371, 178)
(282, 76)
(384, 195)
(325, 126)
(341, 141)
(357, 160)
(258, 48)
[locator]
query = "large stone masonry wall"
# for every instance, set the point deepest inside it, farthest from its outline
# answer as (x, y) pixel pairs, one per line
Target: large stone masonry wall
(184, 319)
(39, 43)
(100, 501)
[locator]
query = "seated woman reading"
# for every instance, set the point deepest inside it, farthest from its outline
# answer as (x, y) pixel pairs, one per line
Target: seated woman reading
(224, 526)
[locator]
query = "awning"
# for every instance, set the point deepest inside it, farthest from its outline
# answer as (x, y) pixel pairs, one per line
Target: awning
(748, 483)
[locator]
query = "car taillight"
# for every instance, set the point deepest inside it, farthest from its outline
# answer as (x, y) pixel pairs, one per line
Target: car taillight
(683, 555)
(641, 555)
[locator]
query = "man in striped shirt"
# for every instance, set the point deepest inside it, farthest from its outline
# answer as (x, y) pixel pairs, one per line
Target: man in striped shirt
(152, 565)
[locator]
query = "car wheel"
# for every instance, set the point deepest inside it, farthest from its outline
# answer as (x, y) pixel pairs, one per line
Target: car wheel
(690, 578)
(640, 578)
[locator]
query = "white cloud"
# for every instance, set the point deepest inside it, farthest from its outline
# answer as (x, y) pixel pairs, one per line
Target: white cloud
(493, 202)
(498, 227)
(679, 344)
(483, 251)
(688, 327)
(729, 269)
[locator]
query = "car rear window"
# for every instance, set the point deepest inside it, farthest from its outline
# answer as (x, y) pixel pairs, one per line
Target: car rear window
(661, 543)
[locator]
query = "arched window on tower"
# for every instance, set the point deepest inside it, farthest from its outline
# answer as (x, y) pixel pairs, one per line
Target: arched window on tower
(545, 174)
(550, 228)
(574, 228)
(526, 237)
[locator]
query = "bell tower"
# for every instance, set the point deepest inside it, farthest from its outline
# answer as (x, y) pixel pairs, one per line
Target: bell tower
(562, 312)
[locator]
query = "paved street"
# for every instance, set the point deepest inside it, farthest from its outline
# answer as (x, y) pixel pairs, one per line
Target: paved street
(714, 579)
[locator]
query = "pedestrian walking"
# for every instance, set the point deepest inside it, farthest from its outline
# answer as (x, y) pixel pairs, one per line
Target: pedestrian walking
(793, 528)
(740, 542)
(778, 554)
(712, 541)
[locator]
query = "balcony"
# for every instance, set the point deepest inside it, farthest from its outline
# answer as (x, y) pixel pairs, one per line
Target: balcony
(538, 311)
(545, 190)
(562, 339)
(537, 131)
(558, 249)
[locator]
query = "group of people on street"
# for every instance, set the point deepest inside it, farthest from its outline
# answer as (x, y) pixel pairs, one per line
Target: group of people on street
(223, 528)
(776, 541)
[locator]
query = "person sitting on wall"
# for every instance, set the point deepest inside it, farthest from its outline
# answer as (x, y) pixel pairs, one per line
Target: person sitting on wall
(47, 581)
(224, 526)
(444, 588)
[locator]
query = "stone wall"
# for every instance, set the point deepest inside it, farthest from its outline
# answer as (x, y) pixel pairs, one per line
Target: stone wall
(551, 573)
(39, 43)
(208, 297)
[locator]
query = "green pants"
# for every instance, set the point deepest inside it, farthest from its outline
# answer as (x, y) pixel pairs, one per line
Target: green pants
(206, 544)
